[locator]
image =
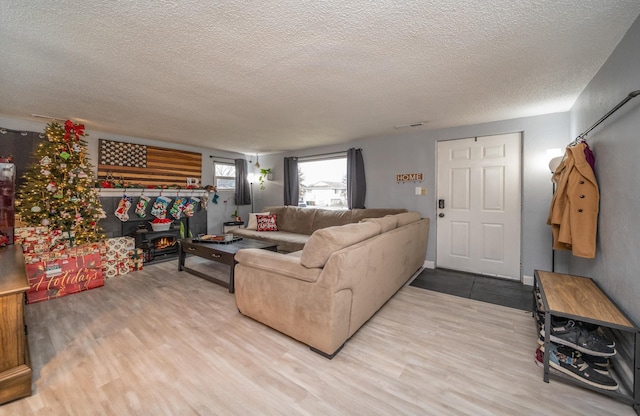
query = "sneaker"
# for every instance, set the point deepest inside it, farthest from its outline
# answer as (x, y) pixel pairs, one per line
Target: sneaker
(555, 322)
(580, 339)
(599, 364)
(575, 368)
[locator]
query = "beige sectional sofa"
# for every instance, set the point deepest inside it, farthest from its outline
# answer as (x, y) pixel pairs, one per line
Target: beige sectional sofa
(295, 224)
(324, 293)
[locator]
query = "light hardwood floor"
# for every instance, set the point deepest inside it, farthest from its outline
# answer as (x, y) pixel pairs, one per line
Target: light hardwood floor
(160, 342)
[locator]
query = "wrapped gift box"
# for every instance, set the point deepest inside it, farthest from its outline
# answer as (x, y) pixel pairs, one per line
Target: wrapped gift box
(119, 248)
(75, 251)
(113, 268)
(136, 259)
(33, 239)
(22, 233)
(64, 276)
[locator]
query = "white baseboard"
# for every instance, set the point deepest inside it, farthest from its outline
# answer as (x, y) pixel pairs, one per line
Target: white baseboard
(527, 280)
(429, 264)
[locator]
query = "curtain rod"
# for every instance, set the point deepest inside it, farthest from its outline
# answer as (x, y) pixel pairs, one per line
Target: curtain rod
(220, 157)
(631, 95)
(322, 156)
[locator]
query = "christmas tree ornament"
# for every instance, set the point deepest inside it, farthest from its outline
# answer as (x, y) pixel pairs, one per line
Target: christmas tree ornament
(78, 217)
(141, 206)
(45, 161)
(51, 187)
(159, 208)
(45, 172)
(73, 131)
(36, 209)
(45, 222)
(122, 212)
(65, 155)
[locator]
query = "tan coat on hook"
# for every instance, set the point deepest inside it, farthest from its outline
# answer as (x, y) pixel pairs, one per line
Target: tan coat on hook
(574, 208)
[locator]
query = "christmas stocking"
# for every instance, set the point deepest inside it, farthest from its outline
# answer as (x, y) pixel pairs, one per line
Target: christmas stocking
(178, 207)
(123, 208)
(159, 208)
(190, 206)
(141, 206)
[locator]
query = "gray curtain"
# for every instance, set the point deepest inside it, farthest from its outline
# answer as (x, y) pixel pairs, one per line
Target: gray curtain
(356, 182)
(291, 186)
(243, 193)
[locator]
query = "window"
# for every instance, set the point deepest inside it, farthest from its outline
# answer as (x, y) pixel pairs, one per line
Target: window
(323, 181)
(224, 176)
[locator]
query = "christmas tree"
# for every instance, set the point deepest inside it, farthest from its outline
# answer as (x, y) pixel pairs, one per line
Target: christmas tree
(58, 190)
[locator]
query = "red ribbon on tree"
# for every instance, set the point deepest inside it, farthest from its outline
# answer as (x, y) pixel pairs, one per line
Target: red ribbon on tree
(71, 128)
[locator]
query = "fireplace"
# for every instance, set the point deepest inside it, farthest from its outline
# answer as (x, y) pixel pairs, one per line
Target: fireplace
(158, 245)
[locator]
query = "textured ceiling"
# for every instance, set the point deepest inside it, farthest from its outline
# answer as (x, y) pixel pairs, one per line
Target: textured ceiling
(260, 76)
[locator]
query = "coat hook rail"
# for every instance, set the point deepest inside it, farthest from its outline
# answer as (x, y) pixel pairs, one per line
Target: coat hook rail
(629, 97)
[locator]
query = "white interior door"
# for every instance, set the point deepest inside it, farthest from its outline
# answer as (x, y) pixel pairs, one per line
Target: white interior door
(478, 206)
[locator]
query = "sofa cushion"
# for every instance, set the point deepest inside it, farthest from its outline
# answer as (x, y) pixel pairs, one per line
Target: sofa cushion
(386, 223)
(407, 218)
(358, 214)
(278, 209)
(266, 222)
(328, 218)
(326, 241)
(297, 220)
(253, 222)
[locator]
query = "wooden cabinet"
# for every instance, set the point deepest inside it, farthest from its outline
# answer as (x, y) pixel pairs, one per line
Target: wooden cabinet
(15, 368)
(580, 298)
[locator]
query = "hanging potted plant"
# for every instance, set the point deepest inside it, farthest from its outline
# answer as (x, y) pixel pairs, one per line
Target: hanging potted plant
(264, 174)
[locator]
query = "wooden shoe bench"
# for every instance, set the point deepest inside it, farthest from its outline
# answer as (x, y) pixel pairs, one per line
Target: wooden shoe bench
(580, 298)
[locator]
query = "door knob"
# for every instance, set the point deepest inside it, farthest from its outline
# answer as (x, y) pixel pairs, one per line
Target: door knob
(441, 215)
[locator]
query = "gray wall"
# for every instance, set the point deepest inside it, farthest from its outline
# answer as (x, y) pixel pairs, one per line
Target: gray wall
(415, 152)
(616, 145)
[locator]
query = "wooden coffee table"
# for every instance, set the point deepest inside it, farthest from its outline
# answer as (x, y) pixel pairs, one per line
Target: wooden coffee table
(219, 252)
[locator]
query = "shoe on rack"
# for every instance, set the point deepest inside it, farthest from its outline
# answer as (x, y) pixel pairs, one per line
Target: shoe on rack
(580, 339)
(557, 322)
(575, 368)
(599, 364)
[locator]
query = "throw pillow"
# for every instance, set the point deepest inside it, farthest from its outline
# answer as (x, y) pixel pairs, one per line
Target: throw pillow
(267, 222)
(253, 222)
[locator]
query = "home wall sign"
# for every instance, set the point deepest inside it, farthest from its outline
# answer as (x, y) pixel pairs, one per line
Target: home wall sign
(409, 177)
(147, 165)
